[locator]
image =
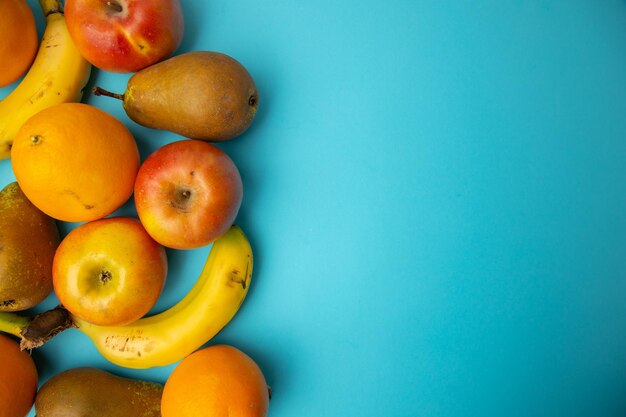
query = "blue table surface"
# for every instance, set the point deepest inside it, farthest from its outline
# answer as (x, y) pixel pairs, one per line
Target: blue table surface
(435, 192)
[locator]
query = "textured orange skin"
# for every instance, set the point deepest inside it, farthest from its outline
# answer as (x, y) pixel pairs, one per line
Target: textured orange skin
(75, 162)
(19, 40)
(142, 33)
(119, 245)
(215, 187)
(18, 379)
(218, 381)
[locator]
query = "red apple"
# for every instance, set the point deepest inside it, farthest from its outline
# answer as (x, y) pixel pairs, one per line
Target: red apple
(109, 272)
(187, 194)
(124, 35)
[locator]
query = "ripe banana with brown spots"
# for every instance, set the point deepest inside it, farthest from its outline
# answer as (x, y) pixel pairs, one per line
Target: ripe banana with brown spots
(168, 337)
(58, 75)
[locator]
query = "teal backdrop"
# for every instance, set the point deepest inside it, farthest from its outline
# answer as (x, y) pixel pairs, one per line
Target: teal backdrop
(435, 192)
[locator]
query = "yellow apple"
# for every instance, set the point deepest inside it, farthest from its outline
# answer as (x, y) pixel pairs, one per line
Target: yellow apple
(109, 271)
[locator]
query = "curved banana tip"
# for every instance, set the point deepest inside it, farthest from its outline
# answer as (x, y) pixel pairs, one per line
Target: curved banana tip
(232, 232)
(237, 228)
(51, 6)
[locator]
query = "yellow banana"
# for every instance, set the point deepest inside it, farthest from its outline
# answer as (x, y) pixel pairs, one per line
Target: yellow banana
(58, 75)
(168, 337)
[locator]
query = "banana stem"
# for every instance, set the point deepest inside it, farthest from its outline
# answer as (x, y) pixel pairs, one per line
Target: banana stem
(34, 332)
(51, 6)
(97, 91)
(13, 323)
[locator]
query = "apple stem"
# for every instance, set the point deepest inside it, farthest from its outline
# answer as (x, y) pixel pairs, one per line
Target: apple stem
(104, 277)
(102, 92)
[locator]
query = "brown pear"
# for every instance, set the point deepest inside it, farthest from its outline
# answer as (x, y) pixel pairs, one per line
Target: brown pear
(201, 95)
(28, 241)
(92, 392)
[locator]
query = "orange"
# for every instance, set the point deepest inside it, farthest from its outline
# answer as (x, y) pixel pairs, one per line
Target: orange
(74, 162)
(18, 379)
(218, 381)
(19, 40)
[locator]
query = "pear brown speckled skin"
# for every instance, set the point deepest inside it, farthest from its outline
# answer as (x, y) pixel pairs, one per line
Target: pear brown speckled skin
(28, 241)
(201, 95)
(92, 392)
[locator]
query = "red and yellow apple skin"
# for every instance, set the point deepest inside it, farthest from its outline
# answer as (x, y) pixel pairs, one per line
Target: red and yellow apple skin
(109, 272)
(187, 194)
(125, 35)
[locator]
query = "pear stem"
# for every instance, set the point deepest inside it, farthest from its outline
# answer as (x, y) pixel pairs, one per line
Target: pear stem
(102, 92)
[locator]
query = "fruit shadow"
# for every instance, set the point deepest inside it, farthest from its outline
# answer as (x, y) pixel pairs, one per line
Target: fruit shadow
(184, 269)
(88, 95)
(266, 79)
(250, 229)
(41, 360)
(278, 372)
(241, 150)
(195, 16)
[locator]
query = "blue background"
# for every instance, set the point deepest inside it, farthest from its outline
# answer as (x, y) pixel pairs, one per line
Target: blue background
(436, 195)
